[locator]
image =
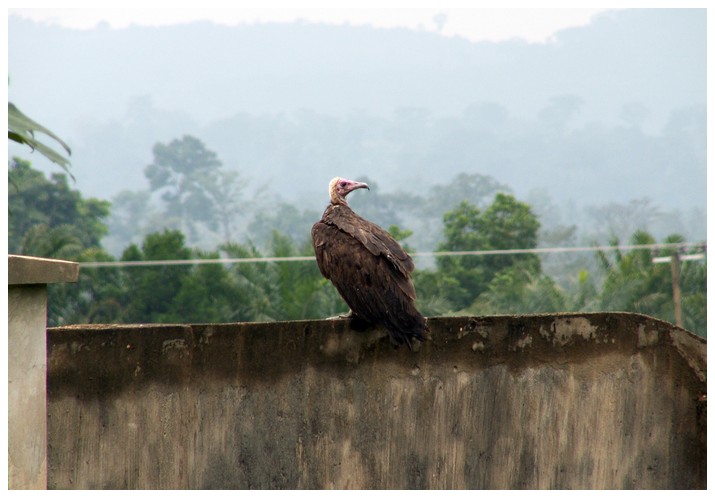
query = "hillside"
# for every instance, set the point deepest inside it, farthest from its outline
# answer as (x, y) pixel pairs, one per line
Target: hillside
(609, 112)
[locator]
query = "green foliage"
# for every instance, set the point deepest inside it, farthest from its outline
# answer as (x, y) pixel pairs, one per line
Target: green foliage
(400, 235)
(634, 283)
(515, 290)
(510, 224)
(302, 290)
(49, 219)
(694, 296)
(281, 290)
(59, 242)
(397, 233)
(255, 284)
(207, 294)
(438, 291)
(462, 278)
(34, 200)
(463, 229)
(585, 295)
(154, 287)
(22, 129)
(97, 297)
(504, 224)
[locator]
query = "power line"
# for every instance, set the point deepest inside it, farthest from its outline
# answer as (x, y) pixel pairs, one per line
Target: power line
(281, 259)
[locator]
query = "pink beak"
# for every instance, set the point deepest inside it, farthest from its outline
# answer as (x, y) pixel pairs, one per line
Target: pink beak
(352, 185)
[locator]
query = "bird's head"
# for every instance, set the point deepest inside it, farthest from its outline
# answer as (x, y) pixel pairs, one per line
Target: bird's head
(339, 188)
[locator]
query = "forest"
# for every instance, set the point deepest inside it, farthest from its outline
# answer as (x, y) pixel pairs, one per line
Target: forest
(192, 199)
(615, 110)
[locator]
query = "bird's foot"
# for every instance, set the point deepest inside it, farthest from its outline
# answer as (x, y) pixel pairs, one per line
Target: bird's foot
(349, 314)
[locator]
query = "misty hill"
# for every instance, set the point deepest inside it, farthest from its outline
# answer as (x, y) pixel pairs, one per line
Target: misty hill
(610, 112)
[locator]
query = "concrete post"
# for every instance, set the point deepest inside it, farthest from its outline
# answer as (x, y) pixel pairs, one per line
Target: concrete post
(27, 365)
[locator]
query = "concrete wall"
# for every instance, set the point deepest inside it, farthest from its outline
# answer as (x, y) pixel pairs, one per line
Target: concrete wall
(27, 323)
(544, 401)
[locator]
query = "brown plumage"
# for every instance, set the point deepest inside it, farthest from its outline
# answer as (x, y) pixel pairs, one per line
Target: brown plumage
(368, 267)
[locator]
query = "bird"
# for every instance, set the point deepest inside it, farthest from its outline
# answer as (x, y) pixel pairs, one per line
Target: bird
(369, 269)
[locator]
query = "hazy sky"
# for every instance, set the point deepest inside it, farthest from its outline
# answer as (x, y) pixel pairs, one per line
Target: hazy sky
(494, 24)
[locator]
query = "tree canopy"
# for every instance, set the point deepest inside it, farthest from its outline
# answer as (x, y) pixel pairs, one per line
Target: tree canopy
(48, 218)
(194, 189)
(34, 200)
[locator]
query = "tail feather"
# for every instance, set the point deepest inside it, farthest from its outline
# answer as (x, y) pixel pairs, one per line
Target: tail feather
(408, 331)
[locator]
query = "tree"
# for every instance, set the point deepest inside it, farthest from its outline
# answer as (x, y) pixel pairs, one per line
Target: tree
(516, 290)
(693, 286)
(510, 224)
(194, 189)
(303, 292)
(618, 220)
(634, 283)
(153, 288)
(48, 219)
(505, 224)
(281, 290)
(584, 297)
(375, 205)
(473, 188)
(59, 242)
(207, 294)
(226, 196)
(462, 278)
(255, 283)
(131, 212)
(284, 218)
(97, 297)
(439, 293)
(34, 200)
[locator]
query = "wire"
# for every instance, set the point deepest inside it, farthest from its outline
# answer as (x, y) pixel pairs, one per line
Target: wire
(281, 259)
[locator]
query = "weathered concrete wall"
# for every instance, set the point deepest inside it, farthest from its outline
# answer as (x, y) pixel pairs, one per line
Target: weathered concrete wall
(27, 415)
(27, 322)
(544, 401)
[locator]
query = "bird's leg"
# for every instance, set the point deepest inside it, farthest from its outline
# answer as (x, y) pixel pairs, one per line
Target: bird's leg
(349, 314)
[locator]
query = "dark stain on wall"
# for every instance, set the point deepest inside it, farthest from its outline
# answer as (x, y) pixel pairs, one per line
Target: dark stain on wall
(558, 401)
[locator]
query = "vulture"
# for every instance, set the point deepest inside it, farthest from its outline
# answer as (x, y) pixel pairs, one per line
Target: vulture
(368, 267)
